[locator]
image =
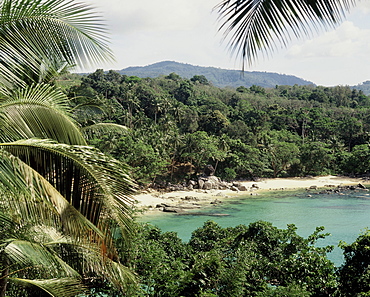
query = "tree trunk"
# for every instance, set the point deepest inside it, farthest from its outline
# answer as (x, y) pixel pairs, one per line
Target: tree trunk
(3, 276)
(216, 165)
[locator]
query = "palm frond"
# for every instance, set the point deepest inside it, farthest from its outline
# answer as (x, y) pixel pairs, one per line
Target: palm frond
(37, 34)
(100, 129)
(96, 185)
(28, 197)
(33, 256)
(57, 287)
(119, 275)
(39, 111)
(256, 26)
(7, 225)
(5, 220)
(47, 253)
(88, 259)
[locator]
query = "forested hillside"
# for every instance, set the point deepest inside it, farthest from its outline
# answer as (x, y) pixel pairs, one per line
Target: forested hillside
(217, 76)
(176, 126)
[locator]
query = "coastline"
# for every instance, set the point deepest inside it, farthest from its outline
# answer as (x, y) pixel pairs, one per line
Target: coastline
(191, 199)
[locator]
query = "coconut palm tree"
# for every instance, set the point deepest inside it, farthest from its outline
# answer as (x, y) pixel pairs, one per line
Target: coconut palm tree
(260, 26)
(52, 181)
(61, 201)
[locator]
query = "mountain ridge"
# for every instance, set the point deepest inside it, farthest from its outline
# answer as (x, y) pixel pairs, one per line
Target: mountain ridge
(217, 76)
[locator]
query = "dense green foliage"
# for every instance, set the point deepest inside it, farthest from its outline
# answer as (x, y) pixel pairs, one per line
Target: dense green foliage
(176, 126)
(354, 275)
(254, 260)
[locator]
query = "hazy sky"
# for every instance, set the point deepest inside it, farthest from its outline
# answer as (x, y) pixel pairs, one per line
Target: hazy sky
(144, 32)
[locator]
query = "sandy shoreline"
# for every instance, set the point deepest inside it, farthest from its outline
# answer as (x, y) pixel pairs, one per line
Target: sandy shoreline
(149, 200)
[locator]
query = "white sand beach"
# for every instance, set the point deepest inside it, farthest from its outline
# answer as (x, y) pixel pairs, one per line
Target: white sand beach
(149, 200)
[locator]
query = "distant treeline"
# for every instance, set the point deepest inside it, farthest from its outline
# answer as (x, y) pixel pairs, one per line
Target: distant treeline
(176, 126)
(364, 87)
(217, 76)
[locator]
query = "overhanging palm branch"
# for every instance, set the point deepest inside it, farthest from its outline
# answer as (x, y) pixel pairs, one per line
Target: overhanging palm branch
(38, 111)
(38, 34)
(28, 259)
(32, 200)
(36, 257)
(95, 184)
(46, 254)
(256, 26)
(41, 241)
(24, 257)
(59, 287)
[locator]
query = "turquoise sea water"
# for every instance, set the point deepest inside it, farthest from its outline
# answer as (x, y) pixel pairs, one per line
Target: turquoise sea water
(344, 216)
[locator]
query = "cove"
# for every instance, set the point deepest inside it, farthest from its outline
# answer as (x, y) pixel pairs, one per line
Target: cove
(344, 215)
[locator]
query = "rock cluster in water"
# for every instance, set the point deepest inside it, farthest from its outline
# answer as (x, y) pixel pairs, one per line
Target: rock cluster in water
(203, 183)
(338, 189)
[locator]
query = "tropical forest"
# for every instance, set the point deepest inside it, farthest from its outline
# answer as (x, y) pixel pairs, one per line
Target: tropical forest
(176, 126)
(75, 149)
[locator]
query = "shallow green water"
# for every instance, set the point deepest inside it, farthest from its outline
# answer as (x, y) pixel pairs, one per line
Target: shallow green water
(344, 216)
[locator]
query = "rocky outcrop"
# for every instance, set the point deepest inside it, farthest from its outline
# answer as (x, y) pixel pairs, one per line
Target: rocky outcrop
(208, 182)
(176, 208)
(361, 186)
(338, 189)
(215, 183)
(204, 182)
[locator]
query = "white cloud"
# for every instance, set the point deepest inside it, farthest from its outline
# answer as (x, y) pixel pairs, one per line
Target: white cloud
(147, 31)
(346, 41)
(362, 7)
(149, 15)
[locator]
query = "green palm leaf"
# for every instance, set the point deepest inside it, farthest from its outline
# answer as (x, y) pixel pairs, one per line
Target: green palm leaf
(89, 260)
(32, 255)
(95, 184)
(50, 254)
(37, 111)
(256, 26)
(60, 200)
(5, 220)
(35, 35)
(45, 259)
(26, 195)
(30, 259)
(58, 287)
